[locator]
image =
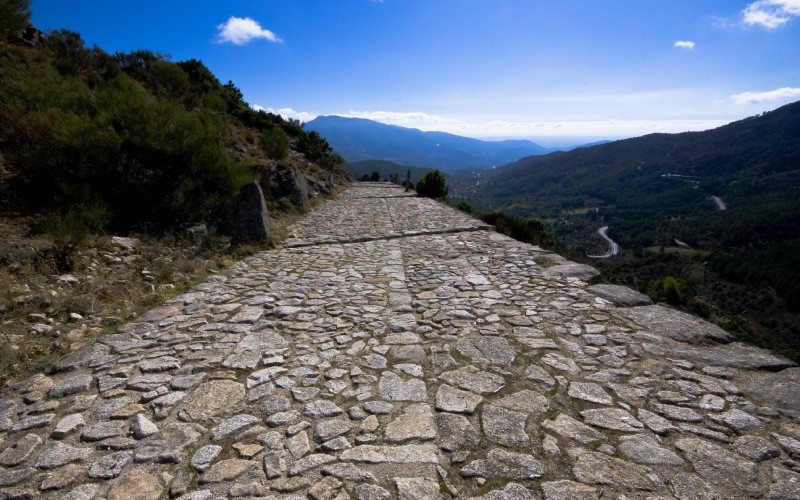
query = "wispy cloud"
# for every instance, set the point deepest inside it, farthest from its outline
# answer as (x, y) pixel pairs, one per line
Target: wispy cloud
(241, 30)
(772, 95)
(684, 44)
(771, 14)
(404, 119)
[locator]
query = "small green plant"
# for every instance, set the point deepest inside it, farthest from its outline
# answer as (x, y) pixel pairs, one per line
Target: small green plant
(69, 230)
(464, 207)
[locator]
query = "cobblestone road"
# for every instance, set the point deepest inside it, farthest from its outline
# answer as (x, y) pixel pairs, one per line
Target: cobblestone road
(396, 348)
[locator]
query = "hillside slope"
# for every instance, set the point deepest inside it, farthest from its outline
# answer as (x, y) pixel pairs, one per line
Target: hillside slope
(133, 141)
(764, 148)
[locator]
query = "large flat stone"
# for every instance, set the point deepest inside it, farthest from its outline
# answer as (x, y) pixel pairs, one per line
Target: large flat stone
(780, 390)
(620, 295)
(471, 378)
(456, 433)
(454, 400)
(734, 355)
(721, 467)
(393, 388)
(403, 454)
(571, 270)
(500, 463)
(674, 324)
(596, 468)
(416, 422)
(505, 427)
(80, 358)
(211, 399)
(487, 350)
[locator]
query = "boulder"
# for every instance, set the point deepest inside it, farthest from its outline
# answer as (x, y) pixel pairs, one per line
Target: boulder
(197, 233)
(249, 222)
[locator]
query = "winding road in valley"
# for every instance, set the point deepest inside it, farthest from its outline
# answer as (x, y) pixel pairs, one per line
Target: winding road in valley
(613, 247)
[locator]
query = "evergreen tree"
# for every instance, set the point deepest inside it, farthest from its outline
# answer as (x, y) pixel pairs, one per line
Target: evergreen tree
(433, 185)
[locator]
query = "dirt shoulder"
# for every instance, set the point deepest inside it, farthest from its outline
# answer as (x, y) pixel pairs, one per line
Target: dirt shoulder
(45, 313)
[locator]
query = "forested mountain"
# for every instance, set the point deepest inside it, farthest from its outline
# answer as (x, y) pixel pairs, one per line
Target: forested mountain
(663, 190)
(359, 139)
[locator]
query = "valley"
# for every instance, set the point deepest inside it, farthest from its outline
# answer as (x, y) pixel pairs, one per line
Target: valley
(716, 212)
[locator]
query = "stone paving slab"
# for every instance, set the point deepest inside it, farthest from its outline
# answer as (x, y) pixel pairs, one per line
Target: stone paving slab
(370, 211)
(441, 365)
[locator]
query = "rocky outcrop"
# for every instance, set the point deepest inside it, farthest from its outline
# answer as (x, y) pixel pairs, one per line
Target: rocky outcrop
(288, 184)
(249, 219)
(396, 348)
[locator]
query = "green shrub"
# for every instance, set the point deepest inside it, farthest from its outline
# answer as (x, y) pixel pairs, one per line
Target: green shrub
(672, 291)
(433, 185)
(275, 143)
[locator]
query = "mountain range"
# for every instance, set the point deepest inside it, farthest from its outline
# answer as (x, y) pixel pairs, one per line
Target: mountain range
(358, 139)
(759, 152)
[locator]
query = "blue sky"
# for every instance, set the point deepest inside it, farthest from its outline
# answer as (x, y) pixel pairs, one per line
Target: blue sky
(537, 69)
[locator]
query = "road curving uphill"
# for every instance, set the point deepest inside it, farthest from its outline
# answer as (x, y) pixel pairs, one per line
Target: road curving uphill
(396, 348)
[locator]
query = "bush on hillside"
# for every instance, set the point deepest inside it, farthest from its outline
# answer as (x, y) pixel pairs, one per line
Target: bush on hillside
(531, 231)
(433, 185)
(14, 15)
(77, 133)
(275, 143)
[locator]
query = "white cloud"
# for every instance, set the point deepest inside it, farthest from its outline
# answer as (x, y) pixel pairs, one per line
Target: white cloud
(287, 113)
(532, 129)
(684, 44)
(772, 95)
(239, 31)
(771, 14)
(258, 107)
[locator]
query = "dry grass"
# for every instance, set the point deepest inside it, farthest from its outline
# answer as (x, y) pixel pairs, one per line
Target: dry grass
(45, 314)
